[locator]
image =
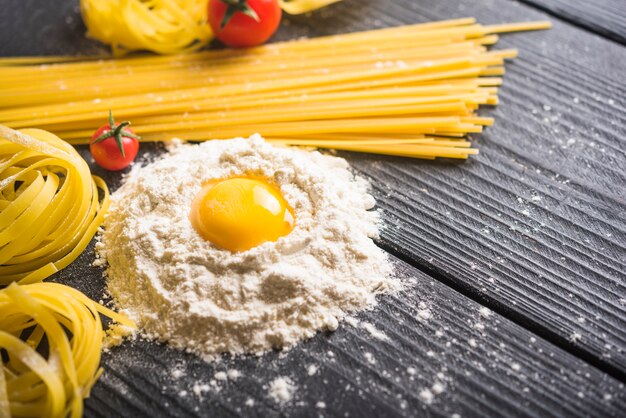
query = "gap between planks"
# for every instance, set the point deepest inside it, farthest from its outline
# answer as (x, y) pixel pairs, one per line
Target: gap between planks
(576, 21)
(503, 310)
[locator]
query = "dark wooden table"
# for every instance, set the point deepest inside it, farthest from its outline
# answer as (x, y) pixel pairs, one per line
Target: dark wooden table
(519, 254)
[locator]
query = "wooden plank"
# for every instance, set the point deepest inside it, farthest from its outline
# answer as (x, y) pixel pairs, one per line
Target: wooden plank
(483, 363)
(605, 17)
(54, 27)
(583, 209)
(515, 141)
(535, 223)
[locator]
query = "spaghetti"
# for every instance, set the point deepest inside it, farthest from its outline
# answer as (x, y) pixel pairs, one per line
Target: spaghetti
(65, 326)
(411, 90)
(49, 205)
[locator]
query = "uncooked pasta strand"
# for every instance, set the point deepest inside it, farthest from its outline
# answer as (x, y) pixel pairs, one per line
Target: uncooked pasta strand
(389, 87)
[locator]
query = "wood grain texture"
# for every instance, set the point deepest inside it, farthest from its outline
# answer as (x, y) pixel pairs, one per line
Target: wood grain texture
(36, 27)
(605, 17)
(535, 225)
(563, 260)
(485, 365)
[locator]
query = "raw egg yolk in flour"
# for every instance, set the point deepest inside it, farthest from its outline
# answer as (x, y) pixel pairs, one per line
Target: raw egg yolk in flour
(240, 213)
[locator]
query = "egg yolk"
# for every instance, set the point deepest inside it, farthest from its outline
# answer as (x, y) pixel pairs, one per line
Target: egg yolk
(240, 213)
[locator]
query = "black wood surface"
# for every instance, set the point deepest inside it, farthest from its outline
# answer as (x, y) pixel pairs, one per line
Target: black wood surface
(533, 227)
(605, 17)
(486, 365)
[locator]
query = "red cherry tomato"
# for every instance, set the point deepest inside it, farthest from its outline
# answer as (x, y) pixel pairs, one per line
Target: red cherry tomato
(244, 23)
(114, 147)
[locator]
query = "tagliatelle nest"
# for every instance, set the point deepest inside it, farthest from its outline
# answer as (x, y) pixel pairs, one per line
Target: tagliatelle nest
(161, 26)
(49, 205)
(51, 337)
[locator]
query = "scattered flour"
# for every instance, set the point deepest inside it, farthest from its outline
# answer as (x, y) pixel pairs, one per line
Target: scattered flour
(374, 332)
(281, 390)
(479, 326)
(438, 388)
(352, 321)
(183, 290)
(484, 312)
(370, 358)
(426, 396)
(423, 315)
(233, 374)
(311, 369)
(200, 389)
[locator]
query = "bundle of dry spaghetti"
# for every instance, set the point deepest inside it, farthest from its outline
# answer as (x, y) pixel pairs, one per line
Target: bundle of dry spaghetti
(49, 205)
(411, 91)
(51, 338)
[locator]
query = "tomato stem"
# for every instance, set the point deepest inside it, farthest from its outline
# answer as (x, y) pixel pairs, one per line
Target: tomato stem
(111, 121)
(117, 132)
(240, 6)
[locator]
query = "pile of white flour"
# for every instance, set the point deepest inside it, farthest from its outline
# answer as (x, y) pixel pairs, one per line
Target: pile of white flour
(182, 289)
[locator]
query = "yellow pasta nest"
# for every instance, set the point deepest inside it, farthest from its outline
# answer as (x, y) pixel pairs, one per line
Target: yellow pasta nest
(161, 26)
(68, 325)
(49, 205)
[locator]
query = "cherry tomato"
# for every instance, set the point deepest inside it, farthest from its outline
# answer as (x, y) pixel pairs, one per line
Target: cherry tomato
(113, 146)
(244, 23)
